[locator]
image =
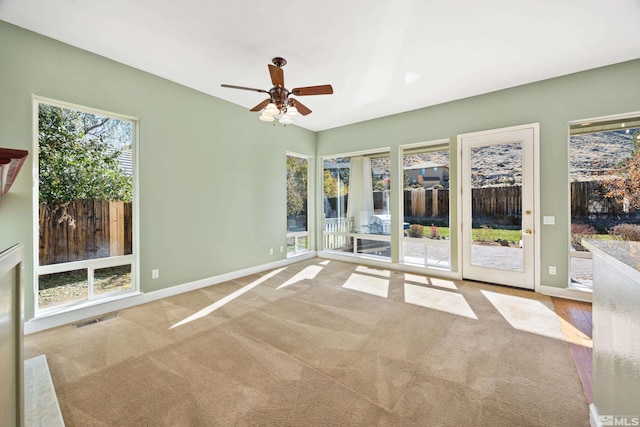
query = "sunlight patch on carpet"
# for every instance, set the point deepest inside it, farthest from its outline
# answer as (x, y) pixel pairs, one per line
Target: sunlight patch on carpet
(368, 285)
(224, 301)
(528, 315)
(436, 299)
(308, 273)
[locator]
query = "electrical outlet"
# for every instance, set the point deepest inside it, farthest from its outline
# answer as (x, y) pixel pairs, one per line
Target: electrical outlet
(270, 251)
(155, 274)
(281, 249)
(552, 270)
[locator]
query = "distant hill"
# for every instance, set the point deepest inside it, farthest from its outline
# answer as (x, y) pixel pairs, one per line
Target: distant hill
(589, 154)
(593, 152)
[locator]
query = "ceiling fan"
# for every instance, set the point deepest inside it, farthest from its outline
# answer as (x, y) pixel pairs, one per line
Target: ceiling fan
(279, 102)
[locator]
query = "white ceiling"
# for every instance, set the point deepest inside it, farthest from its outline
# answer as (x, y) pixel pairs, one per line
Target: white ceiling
(382, 57)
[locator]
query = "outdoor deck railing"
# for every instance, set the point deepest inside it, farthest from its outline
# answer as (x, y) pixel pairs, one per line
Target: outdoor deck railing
(333, 232)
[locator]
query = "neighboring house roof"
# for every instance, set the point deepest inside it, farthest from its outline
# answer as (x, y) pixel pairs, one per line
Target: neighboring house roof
(125, 159)
(339, 165)
(425, 165)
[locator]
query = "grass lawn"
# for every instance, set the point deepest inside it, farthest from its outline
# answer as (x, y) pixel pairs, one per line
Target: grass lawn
(486, 234)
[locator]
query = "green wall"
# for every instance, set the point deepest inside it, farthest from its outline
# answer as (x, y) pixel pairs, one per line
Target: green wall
(212, 176)
(553, 103)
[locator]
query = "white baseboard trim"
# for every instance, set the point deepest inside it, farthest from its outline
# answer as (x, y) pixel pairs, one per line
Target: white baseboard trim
(566, 293)
(382, 263)
(594, 418)
(102, 307)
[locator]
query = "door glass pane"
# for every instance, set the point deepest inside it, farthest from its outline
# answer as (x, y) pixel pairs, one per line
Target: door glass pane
(496, 206)
(425, 238)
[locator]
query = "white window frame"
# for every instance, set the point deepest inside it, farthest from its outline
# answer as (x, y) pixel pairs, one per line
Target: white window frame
(92, 264)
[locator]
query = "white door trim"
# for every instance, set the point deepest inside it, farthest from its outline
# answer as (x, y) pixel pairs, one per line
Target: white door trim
(535, 127)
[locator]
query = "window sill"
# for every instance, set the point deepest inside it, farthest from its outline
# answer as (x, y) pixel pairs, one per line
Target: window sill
(69, 308)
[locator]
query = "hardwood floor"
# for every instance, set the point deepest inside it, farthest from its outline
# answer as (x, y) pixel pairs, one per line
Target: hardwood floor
(577, 326)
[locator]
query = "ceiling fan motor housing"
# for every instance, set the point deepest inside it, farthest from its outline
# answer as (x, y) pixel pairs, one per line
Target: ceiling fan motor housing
(279, 96)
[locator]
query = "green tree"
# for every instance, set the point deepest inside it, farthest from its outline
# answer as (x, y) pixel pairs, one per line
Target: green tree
(78, 158)
(330, 185)
(626, 186)
(297, 173)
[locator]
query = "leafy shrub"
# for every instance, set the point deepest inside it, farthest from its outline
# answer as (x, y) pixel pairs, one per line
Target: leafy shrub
(579, 232)
(415, 230)
(626, 232)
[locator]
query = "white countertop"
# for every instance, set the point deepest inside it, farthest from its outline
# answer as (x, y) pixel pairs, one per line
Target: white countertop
(625, 255)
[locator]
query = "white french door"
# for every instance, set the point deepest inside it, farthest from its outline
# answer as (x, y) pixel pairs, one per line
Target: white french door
(498, 217)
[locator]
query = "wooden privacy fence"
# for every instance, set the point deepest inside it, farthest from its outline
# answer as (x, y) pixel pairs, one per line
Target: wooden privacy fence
(588, 199)
(497, 201)
(429, 203)
(84, 229)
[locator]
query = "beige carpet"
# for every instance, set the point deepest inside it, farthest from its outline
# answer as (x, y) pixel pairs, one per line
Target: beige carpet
(321, 343)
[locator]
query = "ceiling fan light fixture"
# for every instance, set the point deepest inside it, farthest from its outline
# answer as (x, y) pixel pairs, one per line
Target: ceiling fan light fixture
(292, 111)
(286, 120)
(271, 109)
(266, 117)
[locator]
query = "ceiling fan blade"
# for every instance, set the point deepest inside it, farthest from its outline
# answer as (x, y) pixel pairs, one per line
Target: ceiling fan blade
(245, 88)
(302, 109)
(313, 90)
(261, 105)
(277, 75)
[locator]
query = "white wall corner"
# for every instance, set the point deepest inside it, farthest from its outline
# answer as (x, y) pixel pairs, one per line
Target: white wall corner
(594, 418)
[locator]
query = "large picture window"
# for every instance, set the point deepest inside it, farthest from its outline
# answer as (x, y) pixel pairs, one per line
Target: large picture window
(356, 195)
(604, 164)
(297, 204)
(85, 198)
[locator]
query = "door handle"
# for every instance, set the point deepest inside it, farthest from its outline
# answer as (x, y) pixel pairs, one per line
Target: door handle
(528, 231)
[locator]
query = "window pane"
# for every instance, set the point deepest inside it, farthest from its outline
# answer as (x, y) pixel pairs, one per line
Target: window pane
(297, 202)
(61, 288)
(111, 279)
(336, 192)
(356, 202)
(426, 208)
(297, 178)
